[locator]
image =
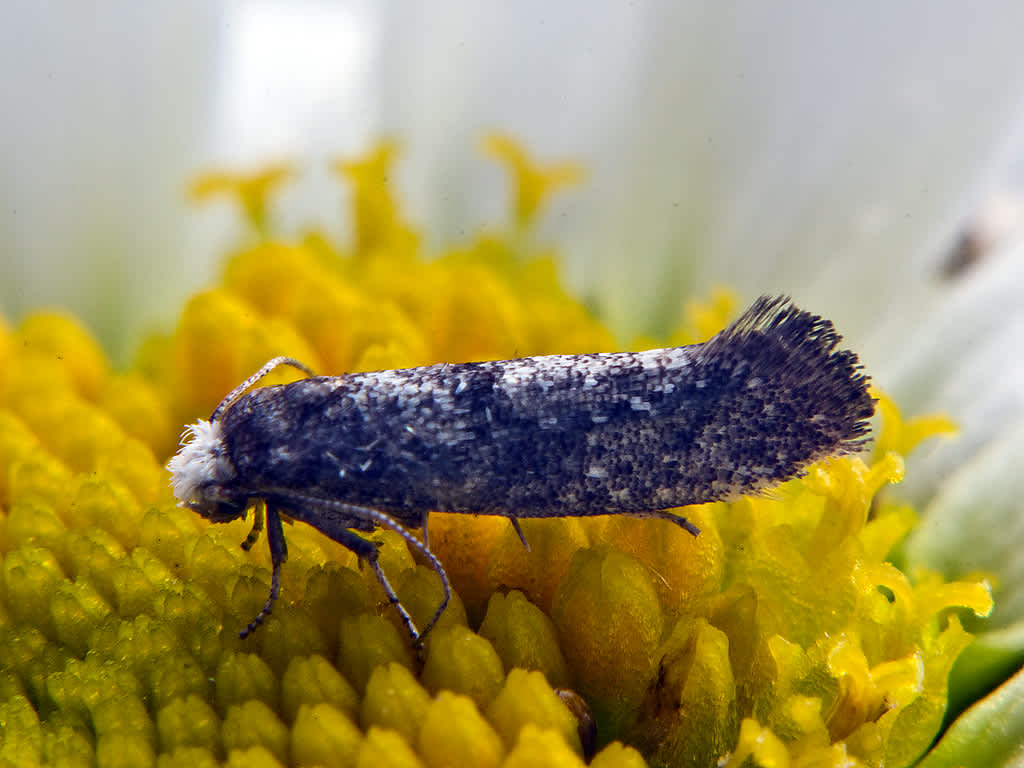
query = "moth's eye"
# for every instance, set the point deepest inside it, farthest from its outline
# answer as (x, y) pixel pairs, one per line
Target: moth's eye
(219, 511)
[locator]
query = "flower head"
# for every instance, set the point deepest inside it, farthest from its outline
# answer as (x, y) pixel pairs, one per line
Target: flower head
(779, 634)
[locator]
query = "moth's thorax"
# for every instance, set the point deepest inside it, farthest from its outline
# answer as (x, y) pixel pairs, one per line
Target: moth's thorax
(201, 471)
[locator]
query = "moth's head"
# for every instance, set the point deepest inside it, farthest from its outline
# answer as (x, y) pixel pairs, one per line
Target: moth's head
(202, 475)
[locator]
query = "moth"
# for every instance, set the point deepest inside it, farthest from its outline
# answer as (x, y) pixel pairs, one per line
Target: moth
(634, 433)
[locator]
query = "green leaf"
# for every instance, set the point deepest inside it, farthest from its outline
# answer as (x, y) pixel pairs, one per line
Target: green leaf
(988, 735)
(974, 526)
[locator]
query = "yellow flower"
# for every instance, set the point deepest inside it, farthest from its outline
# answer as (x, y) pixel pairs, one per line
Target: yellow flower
(252, 192)
(779, 635)
(533, 184)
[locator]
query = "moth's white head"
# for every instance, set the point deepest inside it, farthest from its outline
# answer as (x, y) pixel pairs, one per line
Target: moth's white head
(201, 467)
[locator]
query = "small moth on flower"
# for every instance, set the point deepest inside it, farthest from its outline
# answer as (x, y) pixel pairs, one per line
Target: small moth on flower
(554, 436)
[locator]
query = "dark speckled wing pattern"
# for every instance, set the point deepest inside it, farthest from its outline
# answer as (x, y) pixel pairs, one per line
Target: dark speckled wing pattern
(563, 435)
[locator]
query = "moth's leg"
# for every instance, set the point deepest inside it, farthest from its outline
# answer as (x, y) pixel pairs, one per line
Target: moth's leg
(410, 625)
(257, 526)
(423, 525)
(344, 536)
(519, 531)
(388, 522)
(368, 551)
(679, 520)
(334, 519)
(278, 554)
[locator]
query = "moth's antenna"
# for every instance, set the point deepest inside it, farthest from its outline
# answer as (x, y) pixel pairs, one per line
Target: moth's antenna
(235, 393)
